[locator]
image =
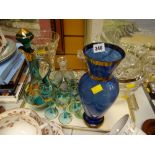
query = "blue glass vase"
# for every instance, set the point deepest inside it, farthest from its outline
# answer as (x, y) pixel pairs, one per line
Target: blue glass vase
(98, 88)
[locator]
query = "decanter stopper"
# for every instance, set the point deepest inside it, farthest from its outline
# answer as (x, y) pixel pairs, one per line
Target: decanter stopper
(25, 37)
(62, 61)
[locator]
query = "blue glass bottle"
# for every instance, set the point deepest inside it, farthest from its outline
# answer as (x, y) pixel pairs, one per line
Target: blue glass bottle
(98, 88)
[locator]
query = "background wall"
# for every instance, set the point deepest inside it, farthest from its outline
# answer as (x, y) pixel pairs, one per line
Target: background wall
(75, 33)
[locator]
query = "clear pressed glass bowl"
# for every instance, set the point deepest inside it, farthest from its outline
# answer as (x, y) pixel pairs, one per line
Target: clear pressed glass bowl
(130, 72)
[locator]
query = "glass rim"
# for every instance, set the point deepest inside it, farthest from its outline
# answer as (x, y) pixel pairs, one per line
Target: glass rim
(35, 33)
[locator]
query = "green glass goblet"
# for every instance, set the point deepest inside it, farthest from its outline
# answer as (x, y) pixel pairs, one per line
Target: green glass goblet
(63, 98)
(51, 112)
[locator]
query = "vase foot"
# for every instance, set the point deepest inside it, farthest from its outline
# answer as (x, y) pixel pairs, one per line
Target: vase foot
(93, 122)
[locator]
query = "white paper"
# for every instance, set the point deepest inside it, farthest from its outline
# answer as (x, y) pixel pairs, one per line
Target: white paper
(98, 48)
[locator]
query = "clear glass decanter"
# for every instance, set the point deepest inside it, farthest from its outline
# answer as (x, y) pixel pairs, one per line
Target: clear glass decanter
(63, 93)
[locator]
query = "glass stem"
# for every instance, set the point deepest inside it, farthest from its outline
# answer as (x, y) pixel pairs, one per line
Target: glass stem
(65, 114)
(75, 105)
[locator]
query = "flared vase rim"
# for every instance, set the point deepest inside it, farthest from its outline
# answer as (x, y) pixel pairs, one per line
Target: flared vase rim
(113, 46)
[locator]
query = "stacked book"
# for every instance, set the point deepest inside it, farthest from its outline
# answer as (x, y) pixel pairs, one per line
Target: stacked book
(13, 75)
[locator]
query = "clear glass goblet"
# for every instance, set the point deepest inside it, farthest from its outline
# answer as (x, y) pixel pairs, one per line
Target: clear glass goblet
(45, 43)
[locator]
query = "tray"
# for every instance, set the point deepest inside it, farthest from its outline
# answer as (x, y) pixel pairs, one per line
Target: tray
(118, 109)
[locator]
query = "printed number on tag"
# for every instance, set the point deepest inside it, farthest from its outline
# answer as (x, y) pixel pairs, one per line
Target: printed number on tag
(98, 48)
(96, 89)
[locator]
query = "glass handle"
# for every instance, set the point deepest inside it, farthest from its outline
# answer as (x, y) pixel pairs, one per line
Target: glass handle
(131, 110)
(44, 68)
